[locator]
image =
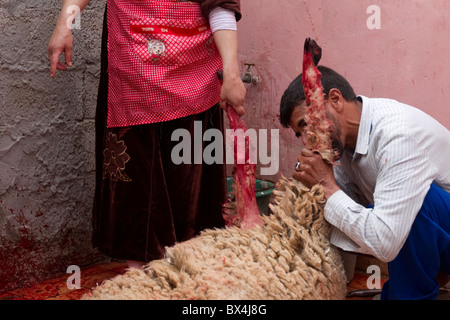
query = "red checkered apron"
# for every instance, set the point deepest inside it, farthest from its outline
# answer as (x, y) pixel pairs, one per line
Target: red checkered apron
(162, 61)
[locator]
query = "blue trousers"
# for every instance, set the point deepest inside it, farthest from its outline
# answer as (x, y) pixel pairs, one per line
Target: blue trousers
(426, 252)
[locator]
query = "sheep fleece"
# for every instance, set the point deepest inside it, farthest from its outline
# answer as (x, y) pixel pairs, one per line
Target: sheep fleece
(289, 257)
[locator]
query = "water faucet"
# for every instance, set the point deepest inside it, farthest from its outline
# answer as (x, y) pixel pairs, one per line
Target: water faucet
(248, 77)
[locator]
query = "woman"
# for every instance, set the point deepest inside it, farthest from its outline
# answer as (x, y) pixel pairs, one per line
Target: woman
(159, 64)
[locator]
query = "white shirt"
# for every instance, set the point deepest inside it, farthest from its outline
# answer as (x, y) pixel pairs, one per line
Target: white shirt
(222, 19)
(400, 152)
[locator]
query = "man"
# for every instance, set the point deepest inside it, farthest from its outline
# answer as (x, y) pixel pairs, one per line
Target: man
(389, 194)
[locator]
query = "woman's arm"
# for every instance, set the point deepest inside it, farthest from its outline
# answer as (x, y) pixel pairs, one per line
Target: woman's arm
(62, 40)
(233, 90)
(224, 27)
(232, 5)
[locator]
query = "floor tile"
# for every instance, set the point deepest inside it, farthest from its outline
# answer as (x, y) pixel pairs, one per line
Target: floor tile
(75, 294)
(118, 267)
(40, 291)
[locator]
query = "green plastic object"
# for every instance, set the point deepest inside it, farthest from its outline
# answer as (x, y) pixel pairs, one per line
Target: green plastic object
(263, 190)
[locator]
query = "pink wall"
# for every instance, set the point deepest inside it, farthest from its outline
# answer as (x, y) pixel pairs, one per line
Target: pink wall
(407, 59)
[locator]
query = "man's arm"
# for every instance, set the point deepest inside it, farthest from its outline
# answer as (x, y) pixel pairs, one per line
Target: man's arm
(62, 40)
(347, 185)
(404, 177)
(403, 180)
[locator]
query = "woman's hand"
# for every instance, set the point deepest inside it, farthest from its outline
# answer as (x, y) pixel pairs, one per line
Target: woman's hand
(60, 42)
(233, 94)
(233, 90)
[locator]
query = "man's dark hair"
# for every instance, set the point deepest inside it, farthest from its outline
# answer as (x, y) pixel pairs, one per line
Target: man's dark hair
(294, 94)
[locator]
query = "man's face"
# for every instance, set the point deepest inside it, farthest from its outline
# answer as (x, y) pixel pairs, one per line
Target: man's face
(298, 124)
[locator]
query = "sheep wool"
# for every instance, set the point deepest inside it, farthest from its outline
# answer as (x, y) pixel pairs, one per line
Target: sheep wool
(288, 257)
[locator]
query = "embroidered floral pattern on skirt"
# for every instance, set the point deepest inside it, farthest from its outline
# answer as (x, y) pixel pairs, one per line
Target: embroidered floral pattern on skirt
(115, 158)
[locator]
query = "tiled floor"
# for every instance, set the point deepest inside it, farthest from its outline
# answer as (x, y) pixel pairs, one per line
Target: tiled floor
(56, 289)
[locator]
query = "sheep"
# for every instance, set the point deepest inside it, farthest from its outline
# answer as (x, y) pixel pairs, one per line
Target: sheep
(288, 257)
(284, 255)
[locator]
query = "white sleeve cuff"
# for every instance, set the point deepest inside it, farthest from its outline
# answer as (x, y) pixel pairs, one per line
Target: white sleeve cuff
(336, 206)
(222, 19)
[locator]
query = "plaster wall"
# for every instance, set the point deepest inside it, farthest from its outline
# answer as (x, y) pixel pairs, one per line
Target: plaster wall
(46, 144)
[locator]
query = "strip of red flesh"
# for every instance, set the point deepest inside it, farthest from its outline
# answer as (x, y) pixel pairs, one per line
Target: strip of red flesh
(317, 123)
(244, 180)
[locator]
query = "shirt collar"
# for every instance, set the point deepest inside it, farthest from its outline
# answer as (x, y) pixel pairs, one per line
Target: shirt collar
(365, 127)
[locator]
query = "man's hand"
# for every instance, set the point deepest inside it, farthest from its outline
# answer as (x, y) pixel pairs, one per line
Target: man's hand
(312, 170)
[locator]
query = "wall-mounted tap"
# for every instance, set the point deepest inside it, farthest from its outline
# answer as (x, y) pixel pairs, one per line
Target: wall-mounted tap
(248, 77)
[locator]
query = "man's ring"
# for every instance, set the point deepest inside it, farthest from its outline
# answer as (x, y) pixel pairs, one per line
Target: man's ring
(297, 166)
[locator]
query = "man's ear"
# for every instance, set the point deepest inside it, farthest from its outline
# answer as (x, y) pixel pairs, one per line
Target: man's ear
(336, 100)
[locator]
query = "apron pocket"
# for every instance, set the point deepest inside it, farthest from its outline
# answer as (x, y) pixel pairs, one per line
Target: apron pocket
(171, 42)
